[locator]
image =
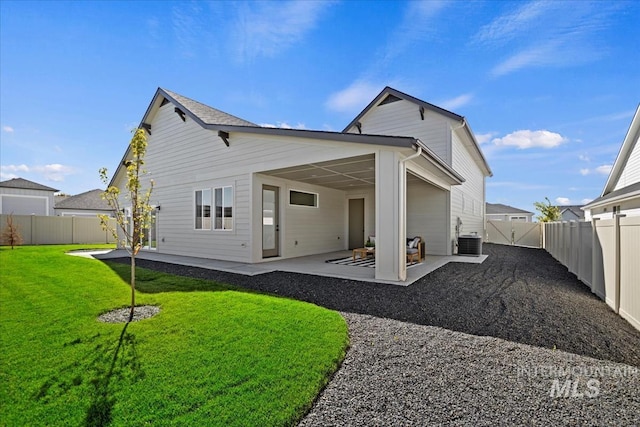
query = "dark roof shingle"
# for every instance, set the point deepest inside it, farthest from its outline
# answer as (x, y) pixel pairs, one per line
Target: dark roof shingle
(499, 208)
(206, 114)
(25, 184)
(89, 200)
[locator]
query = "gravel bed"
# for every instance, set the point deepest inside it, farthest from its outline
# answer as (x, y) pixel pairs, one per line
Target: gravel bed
(401, 374)
(517, 294)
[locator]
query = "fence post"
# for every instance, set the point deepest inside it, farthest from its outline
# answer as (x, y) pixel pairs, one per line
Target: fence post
(616, 303)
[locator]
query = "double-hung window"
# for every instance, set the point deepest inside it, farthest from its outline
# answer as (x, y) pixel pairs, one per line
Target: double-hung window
(203, 209)
(223, 208)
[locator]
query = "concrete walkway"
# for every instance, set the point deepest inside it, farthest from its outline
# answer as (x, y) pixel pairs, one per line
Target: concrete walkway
(314, 264)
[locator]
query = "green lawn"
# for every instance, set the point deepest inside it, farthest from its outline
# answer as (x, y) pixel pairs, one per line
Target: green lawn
(213, 356)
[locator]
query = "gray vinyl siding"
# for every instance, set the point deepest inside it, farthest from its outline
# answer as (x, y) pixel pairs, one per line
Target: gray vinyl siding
(427, 216)
(21, 201)
(402, 118)
(468, 199)
(182, 158)
(631, 172)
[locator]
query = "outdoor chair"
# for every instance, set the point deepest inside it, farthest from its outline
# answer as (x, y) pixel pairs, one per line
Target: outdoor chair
(415, 249)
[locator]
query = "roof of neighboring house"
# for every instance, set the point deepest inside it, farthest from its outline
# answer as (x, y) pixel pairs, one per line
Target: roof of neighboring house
(25, 184)
(500, 209)
(89, 200)
(629, 142)
(574, 209)
(389, 91)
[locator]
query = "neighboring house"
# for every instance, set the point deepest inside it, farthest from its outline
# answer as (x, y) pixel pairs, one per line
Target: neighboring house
(621, 194)
(233, 190)
(500, 212)
(19, 196)
(571, 213)
(89, 203)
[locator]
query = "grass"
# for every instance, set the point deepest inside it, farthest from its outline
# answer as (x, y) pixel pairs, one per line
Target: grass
(213, 356)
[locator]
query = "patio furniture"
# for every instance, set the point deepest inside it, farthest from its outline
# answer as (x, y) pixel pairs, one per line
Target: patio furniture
(363, 252)
(415, 249)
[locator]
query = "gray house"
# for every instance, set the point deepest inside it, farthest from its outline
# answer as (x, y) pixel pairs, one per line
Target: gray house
(228, 189)
(500, 212)
(89, 203)
(19, 196)
(571, 213)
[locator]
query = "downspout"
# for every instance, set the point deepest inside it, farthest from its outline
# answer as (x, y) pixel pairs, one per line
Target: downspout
(403, 213)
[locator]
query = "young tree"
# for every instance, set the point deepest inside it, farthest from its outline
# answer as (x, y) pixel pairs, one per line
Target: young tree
(10, 234)
(548, 212)
(134, 224)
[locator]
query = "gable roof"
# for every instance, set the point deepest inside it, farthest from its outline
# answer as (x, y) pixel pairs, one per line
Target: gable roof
(394, 94)
(203, 113)
(500, 209)
(629, 142)
(574, 209)
(89, 200)
(25, 184)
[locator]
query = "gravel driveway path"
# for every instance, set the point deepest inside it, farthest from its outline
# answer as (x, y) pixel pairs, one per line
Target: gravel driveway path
(401, 374)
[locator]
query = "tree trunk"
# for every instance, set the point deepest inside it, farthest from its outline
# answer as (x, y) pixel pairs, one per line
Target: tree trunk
(133, 285)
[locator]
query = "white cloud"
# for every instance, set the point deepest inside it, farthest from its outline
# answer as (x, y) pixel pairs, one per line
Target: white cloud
(14, 168)
(354, 97)
(483, 138)
(268, 28)
(511, 24)
(54, 172)
(524, 139)
(548, 33)
(585, 201)
(563, 201)
(7, 176)
(604, 169)
(584, 157)
(457, 102)
(284, 125)
(8, 129)
(584, 172)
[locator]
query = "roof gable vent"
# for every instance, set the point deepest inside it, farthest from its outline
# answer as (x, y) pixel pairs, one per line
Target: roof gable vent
(389, 99)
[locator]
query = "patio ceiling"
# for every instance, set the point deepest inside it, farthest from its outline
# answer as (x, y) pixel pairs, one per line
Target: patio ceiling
(341, 174)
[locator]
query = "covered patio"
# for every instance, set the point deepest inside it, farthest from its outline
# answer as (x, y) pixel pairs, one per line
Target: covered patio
(376, 189)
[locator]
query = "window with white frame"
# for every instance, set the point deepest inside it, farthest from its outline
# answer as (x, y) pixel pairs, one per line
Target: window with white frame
(223, 208)
(303, 198)
(203, 209)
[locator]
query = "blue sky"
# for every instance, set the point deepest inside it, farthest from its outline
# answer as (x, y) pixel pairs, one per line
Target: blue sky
(549, 88)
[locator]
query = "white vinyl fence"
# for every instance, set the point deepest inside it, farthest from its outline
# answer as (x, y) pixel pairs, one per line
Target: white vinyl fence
(516, 233)
(56, 230)
(605, 255)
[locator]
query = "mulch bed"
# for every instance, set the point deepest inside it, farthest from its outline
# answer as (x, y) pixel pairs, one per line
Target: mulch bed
(517, 294)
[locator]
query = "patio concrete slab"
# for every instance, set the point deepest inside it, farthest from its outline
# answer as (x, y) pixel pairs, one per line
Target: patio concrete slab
(313, 264)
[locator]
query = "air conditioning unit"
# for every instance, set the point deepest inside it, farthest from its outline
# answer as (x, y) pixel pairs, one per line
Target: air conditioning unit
(470, 245)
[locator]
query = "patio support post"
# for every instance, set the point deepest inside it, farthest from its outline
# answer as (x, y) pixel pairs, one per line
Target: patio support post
(390, 216)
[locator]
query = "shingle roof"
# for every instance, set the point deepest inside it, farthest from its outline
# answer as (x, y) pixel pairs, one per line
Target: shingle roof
(25, 184)
(89, 200)
(575, 209)
(206, 114)
(498, 208)
(628, 191)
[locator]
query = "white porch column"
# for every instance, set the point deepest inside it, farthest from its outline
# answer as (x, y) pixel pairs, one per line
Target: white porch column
(390, 217)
